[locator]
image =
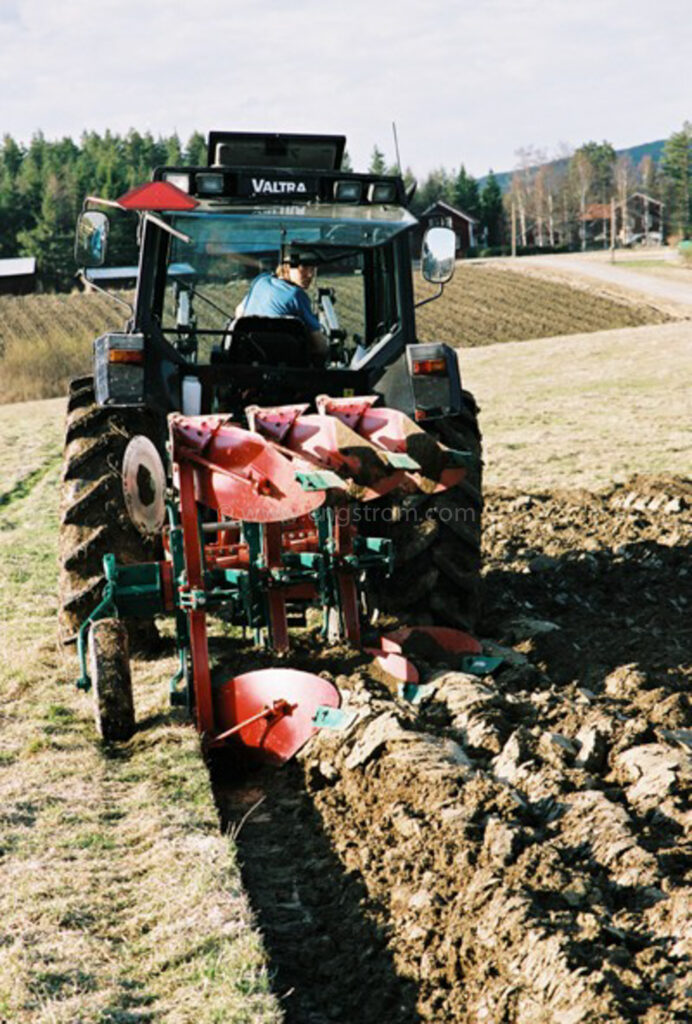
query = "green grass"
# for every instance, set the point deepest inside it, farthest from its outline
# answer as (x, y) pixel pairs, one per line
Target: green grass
(121, 901)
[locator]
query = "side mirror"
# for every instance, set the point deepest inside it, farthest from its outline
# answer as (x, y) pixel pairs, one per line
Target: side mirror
(437, 255)
(91, 239)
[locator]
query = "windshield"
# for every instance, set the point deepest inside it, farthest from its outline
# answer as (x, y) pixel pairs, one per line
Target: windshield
(227, 252)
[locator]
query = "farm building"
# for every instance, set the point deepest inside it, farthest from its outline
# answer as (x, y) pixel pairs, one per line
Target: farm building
(126, 277)
(18, 275)
(442, 214)
(642, 222)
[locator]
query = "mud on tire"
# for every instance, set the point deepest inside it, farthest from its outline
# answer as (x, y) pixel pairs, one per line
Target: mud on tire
(437, 540)
(93, 517)
(109, 659)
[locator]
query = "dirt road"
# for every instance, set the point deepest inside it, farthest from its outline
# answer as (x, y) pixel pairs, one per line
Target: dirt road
(595, 267)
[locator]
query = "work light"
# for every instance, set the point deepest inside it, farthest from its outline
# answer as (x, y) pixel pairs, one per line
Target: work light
(348, 191)
(382, 192)
(209, 184)
(177, 178)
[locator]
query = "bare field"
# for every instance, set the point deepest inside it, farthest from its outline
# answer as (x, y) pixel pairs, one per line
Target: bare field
(484, 304)
(511, 851)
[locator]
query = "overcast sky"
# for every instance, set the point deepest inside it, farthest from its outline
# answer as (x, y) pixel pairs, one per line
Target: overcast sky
(466, 81)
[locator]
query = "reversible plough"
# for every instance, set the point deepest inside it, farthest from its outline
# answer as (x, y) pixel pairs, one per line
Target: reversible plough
(259, 521)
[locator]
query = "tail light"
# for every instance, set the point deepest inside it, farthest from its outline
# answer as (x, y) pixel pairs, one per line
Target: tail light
(429, 367)
(126, 355)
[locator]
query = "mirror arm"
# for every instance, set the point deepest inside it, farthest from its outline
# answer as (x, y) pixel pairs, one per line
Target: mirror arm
(80, 275)
(102, 202)
(430, 298)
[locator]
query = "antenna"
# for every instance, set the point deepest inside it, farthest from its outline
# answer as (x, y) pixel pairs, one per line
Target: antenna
(396, 146)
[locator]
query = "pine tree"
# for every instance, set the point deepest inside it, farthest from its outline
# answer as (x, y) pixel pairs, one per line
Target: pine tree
(196, 150)
(466, 196)
(50, 240)
(677, 169)
(14, 212)
(378, 164)
(601, 156)
(492, 211)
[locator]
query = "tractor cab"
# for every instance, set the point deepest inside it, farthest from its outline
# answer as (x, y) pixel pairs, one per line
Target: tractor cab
(266, 203)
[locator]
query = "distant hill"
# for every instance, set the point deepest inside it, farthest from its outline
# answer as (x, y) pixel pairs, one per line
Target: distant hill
(635, 153)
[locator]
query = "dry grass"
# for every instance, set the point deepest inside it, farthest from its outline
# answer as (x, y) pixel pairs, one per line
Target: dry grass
(46, 339)
(121, 902)
(584, 411)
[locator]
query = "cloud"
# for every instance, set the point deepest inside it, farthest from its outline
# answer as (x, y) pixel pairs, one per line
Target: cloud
(464, 81)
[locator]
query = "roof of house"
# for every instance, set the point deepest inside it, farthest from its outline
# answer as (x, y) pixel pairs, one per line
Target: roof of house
(125, 273)
(18, 266)
(440, 204)
(649, 199)
(597, 211)
(601, 211)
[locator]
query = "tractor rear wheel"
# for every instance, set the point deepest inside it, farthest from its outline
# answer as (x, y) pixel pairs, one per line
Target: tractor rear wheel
(437, 540)
(109, 664)
(94, 518)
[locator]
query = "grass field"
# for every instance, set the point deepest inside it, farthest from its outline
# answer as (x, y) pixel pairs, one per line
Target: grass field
(121, 900)
(46, 339)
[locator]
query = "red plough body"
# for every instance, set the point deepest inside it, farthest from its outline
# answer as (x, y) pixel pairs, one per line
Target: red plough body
(263, 521)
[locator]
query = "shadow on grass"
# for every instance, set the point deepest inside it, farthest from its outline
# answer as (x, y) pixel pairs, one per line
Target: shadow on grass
(328, 954)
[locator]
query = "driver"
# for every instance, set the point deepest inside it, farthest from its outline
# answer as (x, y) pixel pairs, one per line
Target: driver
(284, 293)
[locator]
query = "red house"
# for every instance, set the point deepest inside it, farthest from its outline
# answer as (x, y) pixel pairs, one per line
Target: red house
(442, 214)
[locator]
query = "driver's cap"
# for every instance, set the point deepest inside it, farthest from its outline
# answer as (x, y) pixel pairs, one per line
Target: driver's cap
(301, 258)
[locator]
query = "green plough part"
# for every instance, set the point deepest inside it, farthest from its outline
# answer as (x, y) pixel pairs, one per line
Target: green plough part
(326, 717)
(320, 480)
(400, 460)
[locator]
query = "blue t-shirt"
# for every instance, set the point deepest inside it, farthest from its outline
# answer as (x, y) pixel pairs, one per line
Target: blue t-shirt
(272, 296)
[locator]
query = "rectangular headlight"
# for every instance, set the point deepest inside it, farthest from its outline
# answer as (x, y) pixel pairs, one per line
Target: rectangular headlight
(382, 192)
(209, 184)
(348, 191)
(177, 178)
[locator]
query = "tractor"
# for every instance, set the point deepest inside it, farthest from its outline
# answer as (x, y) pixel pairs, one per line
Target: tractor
(215, 464)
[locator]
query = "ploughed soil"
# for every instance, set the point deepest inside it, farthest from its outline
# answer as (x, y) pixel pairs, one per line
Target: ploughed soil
(513, 848)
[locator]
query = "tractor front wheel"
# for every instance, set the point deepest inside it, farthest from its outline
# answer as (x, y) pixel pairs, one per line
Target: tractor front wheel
(109, 663)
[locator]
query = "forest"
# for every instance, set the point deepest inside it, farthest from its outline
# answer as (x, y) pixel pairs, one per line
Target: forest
(43, 185)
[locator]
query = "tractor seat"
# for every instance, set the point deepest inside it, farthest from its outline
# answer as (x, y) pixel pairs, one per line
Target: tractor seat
(276, 341)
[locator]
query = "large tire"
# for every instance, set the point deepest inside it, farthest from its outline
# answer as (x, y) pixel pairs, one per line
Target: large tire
(109, 664)
(437, 540)
(93, 517)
